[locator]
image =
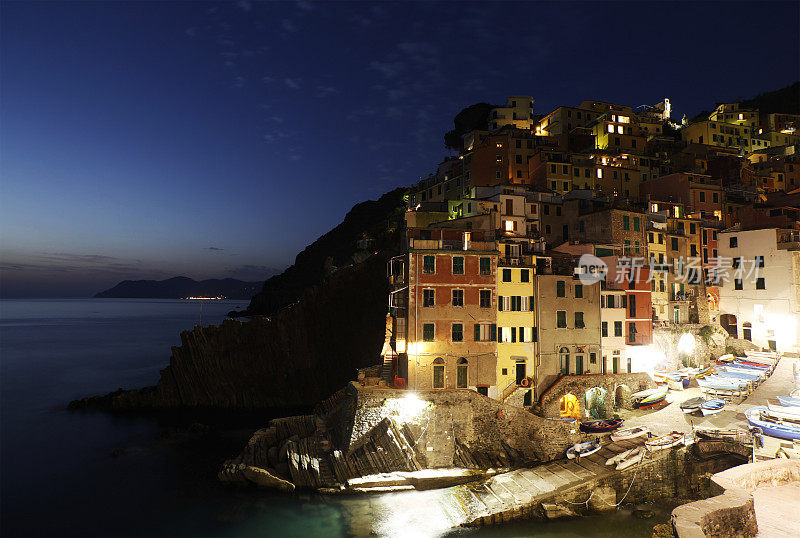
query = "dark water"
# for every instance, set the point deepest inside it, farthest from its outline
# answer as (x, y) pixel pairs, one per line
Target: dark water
(67, 473)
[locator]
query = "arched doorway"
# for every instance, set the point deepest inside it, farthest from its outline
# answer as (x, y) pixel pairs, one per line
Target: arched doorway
(462, 370)
(622, 396)
(595, 402)
(563, 355)
(438, 373)
(570, 408)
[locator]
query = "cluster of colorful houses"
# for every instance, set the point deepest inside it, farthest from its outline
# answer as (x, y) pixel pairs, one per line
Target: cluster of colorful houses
(693, 223)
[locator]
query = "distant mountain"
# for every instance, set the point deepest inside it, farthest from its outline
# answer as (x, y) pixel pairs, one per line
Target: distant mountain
(786, 100)
(181, 286)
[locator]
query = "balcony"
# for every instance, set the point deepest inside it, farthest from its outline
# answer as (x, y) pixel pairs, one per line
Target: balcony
(789, 240)
(450, 244)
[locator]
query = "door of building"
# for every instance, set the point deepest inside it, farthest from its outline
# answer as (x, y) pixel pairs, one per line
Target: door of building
(615, 365)
(773, 345)
(578, 364)
(520, 366)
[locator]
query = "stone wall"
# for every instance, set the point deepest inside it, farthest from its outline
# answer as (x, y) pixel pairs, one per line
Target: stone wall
(618, 389)
(709, 343)
(731, 512)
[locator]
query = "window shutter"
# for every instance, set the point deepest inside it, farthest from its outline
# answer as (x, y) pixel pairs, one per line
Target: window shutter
(493, 332)
(500, 303)
(477, 332)
(513, 334)
(534, 334)
(530, 302)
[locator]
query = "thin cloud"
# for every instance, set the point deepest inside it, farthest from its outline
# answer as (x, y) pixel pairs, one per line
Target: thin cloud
(245, 5)
(213, 248)
(292, 83)
(288, 26)
(387, 69)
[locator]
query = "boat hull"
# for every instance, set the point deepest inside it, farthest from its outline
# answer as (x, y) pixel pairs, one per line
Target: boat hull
(772, 429)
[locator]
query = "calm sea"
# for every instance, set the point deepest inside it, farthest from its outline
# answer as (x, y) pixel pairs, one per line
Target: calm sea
(68, 473)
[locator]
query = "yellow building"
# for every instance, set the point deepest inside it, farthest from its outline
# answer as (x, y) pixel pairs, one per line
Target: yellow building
(517, 112)
(657, 253)
(517, 333)
(618, 131)
(734, 114)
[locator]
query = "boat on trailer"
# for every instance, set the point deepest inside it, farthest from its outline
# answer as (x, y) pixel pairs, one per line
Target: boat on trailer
(630, 433)
(583, 449)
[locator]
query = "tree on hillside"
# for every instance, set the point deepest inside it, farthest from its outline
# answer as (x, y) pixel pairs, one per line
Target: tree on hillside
(473, 117)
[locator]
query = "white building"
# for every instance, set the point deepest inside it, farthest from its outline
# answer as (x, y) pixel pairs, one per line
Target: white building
(761, 286)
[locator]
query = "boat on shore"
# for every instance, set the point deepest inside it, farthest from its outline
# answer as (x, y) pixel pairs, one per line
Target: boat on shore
(665, 441)
(712, 407)
(759, 417)
(675, 385)
(722, 383)
(720, 433)
(648, 398)
(784, 412)
(788, 400)
(601, 426)
(630, 433)
(583, 449)
(631, 459)
(692, 404)
(613, 460)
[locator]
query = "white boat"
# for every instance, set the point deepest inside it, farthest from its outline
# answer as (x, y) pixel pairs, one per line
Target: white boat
(665, 441)
(712, 407)
(726, 358)
(785, 413)
(674, 385)
(613, 460)
(632, 458)
(629, 433)
(583, 449)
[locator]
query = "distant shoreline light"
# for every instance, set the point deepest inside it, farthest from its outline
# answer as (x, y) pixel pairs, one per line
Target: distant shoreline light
(204, 298)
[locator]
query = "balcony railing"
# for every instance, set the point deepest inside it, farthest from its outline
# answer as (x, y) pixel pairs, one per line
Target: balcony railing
(450, 244)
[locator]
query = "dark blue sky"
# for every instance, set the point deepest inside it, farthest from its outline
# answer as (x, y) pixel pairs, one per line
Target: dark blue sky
(147, 139)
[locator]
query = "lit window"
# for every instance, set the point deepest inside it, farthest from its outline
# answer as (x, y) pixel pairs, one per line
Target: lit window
(610, 128)
(619, 129)
(509, 226)
(599, 173)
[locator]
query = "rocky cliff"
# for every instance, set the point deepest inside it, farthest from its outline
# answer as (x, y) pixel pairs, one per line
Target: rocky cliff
(296, 358)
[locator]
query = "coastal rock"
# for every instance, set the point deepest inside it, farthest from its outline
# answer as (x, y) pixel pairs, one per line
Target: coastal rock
(295, 359)
(264, 479)
(557, 511)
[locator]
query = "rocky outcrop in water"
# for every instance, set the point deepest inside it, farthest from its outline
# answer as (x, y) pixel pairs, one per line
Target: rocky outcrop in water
(294, 359)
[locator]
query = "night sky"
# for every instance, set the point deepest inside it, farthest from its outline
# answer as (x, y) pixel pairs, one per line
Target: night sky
(148, 140)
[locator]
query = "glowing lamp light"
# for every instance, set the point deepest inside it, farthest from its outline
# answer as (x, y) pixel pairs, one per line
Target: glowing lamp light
(686, 345)
(409, 408)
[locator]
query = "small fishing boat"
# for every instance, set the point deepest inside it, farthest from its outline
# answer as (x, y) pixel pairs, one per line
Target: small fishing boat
(692, 404)
(601, 426)
(771, 426)
(651, 403)
(712, 407)
(703, 372)
(788, 400)
(665, 441)
(675, 385)
(720, 433)
(632, 458)
(728, 357)
(583, 449)
(733, 373)
(629, 433)
(795, 393)
(613, 460)
(641, 395)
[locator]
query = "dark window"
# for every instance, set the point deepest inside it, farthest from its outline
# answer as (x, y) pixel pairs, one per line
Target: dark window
(458, 332)
(674, 243)
(760, 284)
(506, 275)
(636, 224)
(617, 328)
(427, 332)
(734, 242)
(458, 265)
(486, 266)
(558, 210)
(632, 306)
(485, 298)
(523, 276)
(759, 261)
(560, 288)
(604, 329)
(715, 197)
(737, 284)
(438, 373)
(428, 297)
(429, 264)
(561, 319)
(458, 297)
(578, 291)
(702, 196)
(461, 371)
(579, 320)
(737, 262)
